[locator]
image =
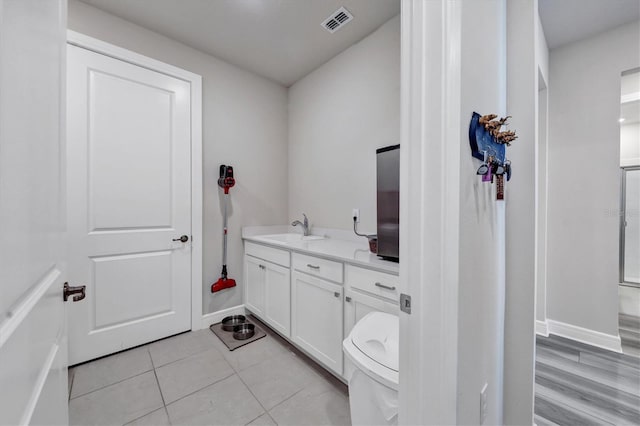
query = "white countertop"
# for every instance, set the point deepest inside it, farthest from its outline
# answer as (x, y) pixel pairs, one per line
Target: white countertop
(352, 251)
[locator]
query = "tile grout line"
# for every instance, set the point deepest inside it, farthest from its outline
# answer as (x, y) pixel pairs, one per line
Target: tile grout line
(106, 386)
(153, 364)
(73, 379)
(191, 393)
(164, 406)
(181, 358)
(138, 418)
(159, 388)
(255, 397)
(166, 411)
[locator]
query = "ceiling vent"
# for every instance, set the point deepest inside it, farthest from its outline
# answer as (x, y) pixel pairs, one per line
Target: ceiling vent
(337, 20)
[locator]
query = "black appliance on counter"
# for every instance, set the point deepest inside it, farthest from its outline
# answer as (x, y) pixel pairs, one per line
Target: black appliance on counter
(388, 200)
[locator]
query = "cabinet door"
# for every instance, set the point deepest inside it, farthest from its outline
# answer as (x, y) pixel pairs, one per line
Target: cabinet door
(254, 284)
(278, 298)
(357, 305)
(317, 319)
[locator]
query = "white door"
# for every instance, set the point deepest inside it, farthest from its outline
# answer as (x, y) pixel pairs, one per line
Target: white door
(128, 203)
(33, 345)
(254, 278)
(277, 303)
(316, 318)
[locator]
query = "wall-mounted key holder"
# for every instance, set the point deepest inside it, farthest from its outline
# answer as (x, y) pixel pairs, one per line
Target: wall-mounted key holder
(488, 143)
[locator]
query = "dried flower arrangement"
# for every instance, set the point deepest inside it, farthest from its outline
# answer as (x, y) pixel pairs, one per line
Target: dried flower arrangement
(493, 126)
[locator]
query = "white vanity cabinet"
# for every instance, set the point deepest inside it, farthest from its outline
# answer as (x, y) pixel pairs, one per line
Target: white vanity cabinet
(377, 283)
(367, 291)
(254, 283)
(268, 286)
(317, 318)
(357, 305)
(314, 301)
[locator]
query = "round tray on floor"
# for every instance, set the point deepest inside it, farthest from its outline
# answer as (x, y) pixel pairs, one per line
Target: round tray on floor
(231, 322)
(244, 331)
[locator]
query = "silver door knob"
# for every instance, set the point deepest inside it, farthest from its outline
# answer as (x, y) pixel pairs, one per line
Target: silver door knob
(183, 239)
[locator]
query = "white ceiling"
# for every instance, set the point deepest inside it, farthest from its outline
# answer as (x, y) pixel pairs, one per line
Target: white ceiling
(566, 21)
(278, 39)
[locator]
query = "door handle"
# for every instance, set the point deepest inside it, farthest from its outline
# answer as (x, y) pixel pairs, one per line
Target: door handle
(68, 291)
(182, 239)
(385, 286)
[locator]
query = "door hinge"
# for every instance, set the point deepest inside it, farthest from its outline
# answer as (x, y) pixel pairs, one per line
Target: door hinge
(405, 303)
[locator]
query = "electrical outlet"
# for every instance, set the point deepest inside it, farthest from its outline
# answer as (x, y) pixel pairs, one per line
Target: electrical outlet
(483, 403)
(356, 214)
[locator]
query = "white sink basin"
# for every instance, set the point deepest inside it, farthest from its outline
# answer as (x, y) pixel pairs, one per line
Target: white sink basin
(290, 238)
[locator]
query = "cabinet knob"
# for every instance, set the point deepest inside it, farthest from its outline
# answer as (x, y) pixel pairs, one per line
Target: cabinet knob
(262, 267)
(348, 299)
(336, 293)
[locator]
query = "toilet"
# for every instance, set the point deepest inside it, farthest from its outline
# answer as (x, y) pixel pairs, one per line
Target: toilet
(371, 367)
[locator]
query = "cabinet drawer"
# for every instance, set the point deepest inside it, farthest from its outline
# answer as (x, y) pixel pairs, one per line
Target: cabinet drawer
(322, 268)
(273, 255)
(374, 282)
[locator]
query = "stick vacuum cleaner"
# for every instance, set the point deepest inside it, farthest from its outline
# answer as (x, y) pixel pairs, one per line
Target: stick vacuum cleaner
(226, 182)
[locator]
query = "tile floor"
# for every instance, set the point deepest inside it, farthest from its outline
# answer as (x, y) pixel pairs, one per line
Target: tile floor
(193, 379)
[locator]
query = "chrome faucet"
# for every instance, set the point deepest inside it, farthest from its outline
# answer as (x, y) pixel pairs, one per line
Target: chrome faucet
(304, 224)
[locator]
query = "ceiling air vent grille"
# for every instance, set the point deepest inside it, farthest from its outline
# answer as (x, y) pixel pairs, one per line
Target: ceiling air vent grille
(337, 20)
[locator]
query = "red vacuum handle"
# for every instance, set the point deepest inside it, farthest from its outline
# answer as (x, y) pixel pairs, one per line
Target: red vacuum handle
(226, 180)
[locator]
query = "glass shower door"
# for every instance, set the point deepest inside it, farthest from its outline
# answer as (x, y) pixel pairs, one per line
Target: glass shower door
(630, 227)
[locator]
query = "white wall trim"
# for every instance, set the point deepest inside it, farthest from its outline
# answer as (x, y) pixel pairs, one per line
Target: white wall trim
(430, 209)
(216, 317)
(108, 49)
(629, 162)
(17, 314)
(195, 81)
(585, 335)
(542, 328)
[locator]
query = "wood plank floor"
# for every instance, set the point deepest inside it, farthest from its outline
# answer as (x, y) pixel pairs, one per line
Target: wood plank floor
(629, 327)
(578, 384)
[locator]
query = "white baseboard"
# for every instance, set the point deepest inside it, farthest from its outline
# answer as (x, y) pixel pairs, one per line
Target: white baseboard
(542, 328)
(585, 335)
(214, 317)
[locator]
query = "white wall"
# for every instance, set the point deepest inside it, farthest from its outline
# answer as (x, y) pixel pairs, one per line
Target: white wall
(584, 103)
(338, 115)
(481, 276)
(522, 97)
(542, 50)
(630, 144)
(244, 124)
(541, 151)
